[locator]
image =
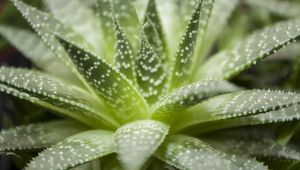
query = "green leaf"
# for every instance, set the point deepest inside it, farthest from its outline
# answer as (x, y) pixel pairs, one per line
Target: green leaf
(47, 27)
(51, 93)
(255, 142)
(188, 96)
(74, 150)
(220, 13)
(154, 31)
(151, 73)
(237, 104)
(126, 13)
(182, 63)
(189, 153)
(36, 51)
(37, 136)
(110, 84)
(253, 49)
(282, 8)
(92, 165)
(124, 52)
(104, 13)
(137, 141)
(75, 14)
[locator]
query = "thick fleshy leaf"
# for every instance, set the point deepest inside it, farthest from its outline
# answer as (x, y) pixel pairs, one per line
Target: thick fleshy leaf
(219, 15)
(182, 63)
(104, 12)
(53, 94)
(126, 13)
(47, 27)
(237, 104)
(36, 51)
(151, 73)
(37, 136)
(124, 52)
(282, 8)
(189, 96)
(255, 142)
(117, 91)
(137, 141)
(189, 153)
(154, 31)
(74, 150)
(80, 18)
(92, 165)
(248, 52)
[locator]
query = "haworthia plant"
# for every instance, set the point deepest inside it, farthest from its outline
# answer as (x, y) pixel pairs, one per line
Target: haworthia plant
(135, 100)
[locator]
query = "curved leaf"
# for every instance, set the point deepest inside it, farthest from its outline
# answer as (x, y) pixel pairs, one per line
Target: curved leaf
(74, 150)
(36, 51)
(80, 18)
(237, 104)
(189, 153)
(189, 96)
(253, 142)
(53, 94)
(110, 84)
(137, 141)
(248, 52)
(37, 136)
(151, 73)
(181, 66)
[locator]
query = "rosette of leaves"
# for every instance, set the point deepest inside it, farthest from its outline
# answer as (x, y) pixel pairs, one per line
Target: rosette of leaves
(130, 100)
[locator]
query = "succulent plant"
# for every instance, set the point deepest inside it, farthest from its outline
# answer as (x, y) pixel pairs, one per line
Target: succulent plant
(135, 94)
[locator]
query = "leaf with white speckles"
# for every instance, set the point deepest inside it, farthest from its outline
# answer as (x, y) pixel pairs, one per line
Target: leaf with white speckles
(256, 142)
(37, 136)
(189, 153)
(237, 104)
(80, 18)
(124, 52)
(36, 51)
(182, 63)
(104, 13)
(117, 91)
(188, 96)
(248, 52)
(281, 8)
(154, 31)
(219, 16)
(137, 141)
(51, 93)
(151, 74)
(75, 150)
(126, 13)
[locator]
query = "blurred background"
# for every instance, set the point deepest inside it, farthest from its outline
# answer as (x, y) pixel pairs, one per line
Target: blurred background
(281, 71)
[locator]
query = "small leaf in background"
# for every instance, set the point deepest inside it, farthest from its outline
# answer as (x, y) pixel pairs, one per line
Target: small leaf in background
(124, 53)
(188, 96)
(80, 18)
(282, 8)
(150, 71)
(181, 67)
(109, 84)
(37, 136)
(189, 153)
(74, 150)
(137, 141)
(51, 93)
(248, 52)
(154, 31)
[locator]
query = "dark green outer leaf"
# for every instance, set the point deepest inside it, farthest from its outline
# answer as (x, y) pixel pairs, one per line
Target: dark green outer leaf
(248, 52)
(37, 136)
(117, 91)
